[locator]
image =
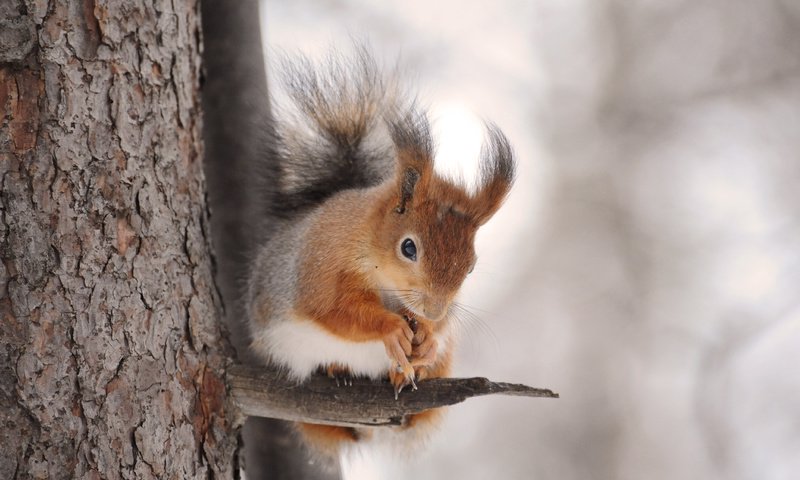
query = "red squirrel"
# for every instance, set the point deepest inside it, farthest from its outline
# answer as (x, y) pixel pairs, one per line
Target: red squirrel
(368, 244)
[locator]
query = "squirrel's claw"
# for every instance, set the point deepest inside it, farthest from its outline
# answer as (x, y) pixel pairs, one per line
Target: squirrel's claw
(401, 377)
(397, 391)
(345, 380)
(340, 374)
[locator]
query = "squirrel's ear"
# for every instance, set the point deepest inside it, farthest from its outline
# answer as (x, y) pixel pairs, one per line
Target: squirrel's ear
(408, 182)
(412, 140)
(496, 175)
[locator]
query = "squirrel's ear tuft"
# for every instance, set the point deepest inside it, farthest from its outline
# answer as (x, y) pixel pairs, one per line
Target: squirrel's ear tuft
(497, 172)
(408, 182)
(412, 140)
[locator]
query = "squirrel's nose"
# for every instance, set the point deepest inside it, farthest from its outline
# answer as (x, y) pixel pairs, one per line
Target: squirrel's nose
(434, 308)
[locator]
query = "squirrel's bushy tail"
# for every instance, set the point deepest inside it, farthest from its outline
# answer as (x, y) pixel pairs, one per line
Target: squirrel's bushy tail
(328, 134)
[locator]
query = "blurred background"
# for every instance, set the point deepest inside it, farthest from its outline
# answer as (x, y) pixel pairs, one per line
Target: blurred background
(647, 263)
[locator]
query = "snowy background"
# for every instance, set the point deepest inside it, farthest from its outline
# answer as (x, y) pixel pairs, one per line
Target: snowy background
(647, 263)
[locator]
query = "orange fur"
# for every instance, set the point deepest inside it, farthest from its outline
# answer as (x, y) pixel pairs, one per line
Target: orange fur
(357, 314)
(328, 439)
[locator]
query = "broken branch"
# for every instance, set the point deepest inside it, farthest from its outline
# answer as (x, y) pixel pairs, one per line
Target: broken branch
(264, 392)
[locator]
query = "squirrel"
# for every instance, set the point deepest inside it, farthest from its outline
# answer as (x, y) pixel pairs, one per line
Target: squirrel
(368, 245)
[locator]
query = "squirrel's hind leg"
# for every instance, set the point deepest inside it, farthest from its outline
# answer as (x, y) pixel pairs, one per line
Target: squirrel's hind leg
(340, 373)
(329, 440)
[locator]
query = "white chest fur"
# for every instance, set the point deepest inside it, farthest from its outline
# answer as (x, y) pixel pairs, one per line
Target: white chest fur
(301, 347)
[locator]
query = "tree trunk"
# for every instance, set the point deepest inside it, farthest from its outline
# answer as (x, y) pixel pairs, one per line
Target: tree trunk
(236, 107)
(111, 357)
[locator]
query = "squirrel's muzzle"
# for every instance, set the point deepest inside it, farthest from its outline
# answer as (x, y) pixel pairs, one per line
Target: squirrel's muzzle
(434, 308)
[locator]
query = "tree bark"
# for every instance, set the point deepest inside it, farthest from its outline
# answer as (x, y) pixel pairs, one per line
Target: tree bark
(111, 357)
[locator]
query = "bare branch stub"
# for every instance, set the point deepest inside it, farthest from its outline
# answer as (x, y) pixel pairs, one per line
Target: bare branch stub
(265, 392)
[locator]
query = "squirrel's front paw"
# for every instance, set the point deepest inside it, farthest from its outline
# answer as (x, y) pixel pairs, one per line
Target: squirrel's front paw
(400, 378)
(398, 348)
(424, 347)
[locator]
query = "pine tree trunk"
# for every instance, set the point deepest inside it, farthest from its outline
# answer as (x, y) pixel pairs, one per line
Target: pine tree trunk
(236, 108)
(111, 357)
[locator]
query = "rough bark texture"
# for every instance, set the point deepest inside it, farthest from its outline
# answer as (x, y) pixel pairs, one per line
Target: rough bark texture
(236, 109)
(110, 353)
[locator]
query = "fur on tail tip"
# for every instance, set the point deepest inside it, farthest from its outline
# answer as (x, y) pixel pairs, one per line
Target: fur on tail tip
(328, 132)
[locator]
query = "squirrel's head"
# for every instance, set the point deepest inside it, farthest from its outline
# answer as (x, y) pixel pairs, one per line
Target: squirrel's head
(428, 223)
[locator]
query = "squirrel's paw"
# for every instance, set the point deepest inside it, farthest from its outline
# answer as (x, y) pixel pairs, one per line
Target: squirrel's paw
(422, 373)
(424, 346)
(340, 373)
(398, 348)
(401, 377)
(398, 344)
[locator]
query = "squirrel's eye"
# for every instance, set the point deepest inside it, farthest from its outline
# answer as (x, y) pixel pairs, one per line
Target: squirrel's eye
(409, 249)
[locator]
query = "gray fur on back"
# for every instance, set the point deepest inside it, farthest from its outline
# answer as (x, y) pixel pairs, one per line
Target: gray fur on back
(273, 281)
